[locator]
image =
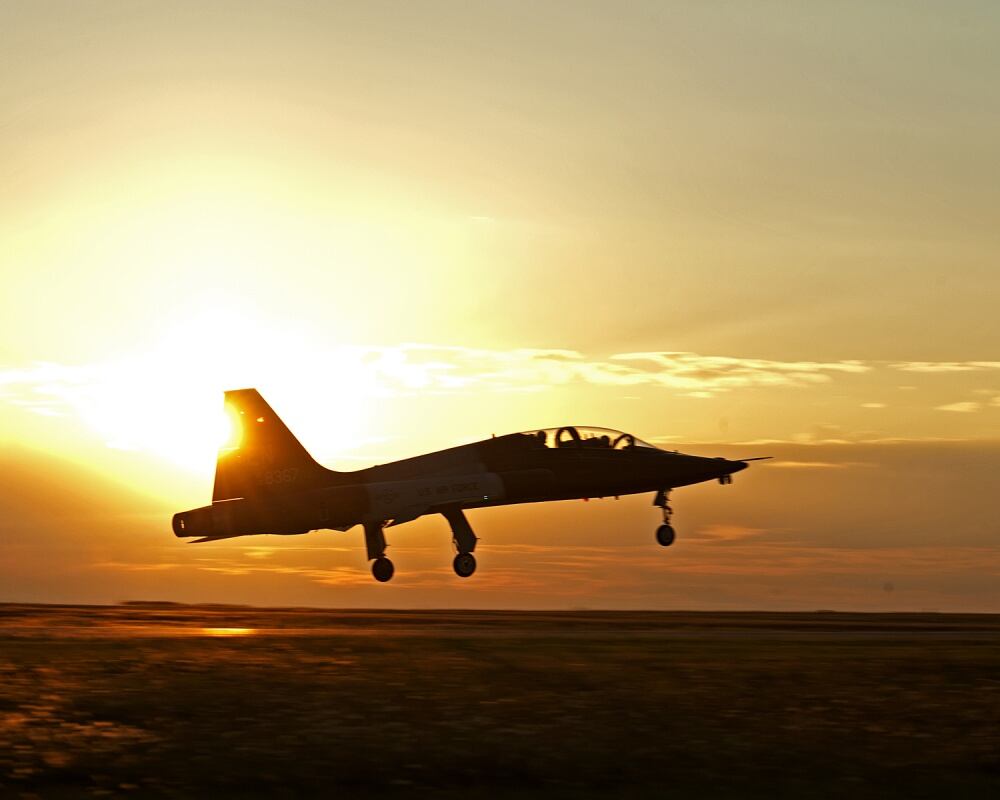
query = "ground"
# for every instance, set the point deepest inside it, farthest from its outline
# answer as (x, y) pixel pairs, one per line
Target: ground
(182, 701)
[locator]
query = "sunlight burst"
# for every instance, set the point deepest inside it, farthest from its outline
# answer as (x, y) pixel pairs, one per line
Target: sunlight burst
(167, 402)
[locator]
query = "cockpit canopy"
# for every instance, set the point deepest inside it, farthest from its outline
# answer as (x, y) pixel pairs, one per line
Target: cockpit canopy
(587, 437)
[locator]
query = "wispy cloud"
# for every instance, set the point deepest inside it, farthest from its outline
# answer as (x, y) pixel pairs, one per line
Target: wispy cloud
(720, 373)
(725, 533)
(805, 465)
(43, 387)
(451, 367)
(964, 407)
(945, 366)
(454, 368)
(422, 365)
(117, 399)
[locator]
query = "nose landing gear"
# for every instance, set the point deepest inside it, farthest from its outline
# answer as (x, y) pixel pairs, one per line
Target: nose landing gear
(665, 536)
(665, 533)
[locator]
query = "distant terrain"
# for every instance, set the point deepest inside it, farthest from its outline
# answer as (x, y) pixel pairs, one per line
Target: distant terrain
(152, 699)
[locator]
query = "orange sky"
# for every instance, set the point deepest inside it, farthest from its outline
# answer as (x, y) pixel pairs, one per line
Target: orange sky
(739, 230)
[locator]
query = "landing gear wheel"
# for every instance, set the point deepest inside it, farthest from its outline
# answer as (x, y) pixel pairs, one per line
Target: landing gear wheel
(464, 564)
(665, 535)
(382, 569)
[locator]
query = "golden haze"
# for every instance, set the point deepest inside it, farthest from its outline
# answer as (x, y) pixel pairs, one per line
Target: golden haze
(751, 232)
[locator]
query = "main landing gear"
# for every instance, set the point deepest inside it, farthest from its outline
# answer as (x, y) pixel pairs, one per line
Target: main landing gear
(382, 568)
(464, 564)
(464, 540)
(665, 533)
(462, 536)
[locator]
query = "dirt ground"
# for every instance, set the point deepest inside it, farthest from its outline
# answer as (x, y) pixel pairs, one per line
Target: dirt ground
(185, 701)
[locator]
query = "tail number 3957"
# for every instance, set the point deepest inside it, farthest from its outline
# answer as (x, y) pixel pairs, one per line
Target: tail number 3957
(277, 476)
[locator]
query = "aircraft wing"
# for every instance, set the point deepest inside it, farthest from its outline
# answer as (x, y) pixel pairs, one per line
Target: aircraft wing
(216, 538)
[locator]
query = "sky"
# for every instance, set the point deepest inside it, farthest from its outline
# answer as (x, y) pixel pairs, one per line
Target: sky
(735, 228)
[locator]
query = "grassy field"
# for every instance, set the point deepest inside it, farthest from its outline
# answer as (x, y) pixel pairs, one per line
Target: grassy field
(163, 700)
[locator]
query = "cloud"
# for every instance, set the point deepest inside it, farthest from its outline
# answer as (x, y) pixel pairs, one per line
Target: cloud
(116, 399)
(42, 387)
(724, 533)
(827, 433)
(806, 465)
(945, 366)
(720, 373)
(964, 407)
(42, 372)
(125, 566)
(52, 388)
(696, 375)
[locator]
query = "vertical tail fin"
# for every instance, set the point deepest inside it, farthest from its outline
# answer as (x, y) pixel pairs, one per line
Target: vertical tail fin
(267, 458)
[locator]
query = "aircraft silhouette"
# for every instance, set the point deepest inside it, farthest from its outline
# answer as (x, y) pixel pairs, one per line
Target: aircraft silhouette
(268, 483)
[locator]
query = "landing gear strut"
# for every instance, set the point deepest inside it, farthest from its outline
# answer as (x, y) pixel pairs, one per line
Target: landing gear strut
(465, 542)
(382, 568)
(665, 533)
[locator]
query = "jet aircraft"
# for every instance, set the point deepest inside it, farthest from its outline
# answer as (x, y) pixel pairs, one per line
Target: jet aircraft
(268, 484)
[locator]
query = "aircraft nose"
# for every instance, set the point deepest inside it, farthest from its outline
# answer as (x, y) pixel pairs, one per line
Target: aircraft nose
(725, 469)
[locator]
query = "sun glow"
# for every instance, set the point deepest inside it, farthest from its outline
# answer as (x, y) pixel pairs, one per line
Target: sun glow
(167, 402)
(230, 429)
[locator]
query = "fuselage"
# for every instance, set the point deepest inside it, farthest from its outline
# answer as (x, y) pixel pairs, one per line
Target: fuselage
(536, 473)
(503, 470)
(268, 483)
